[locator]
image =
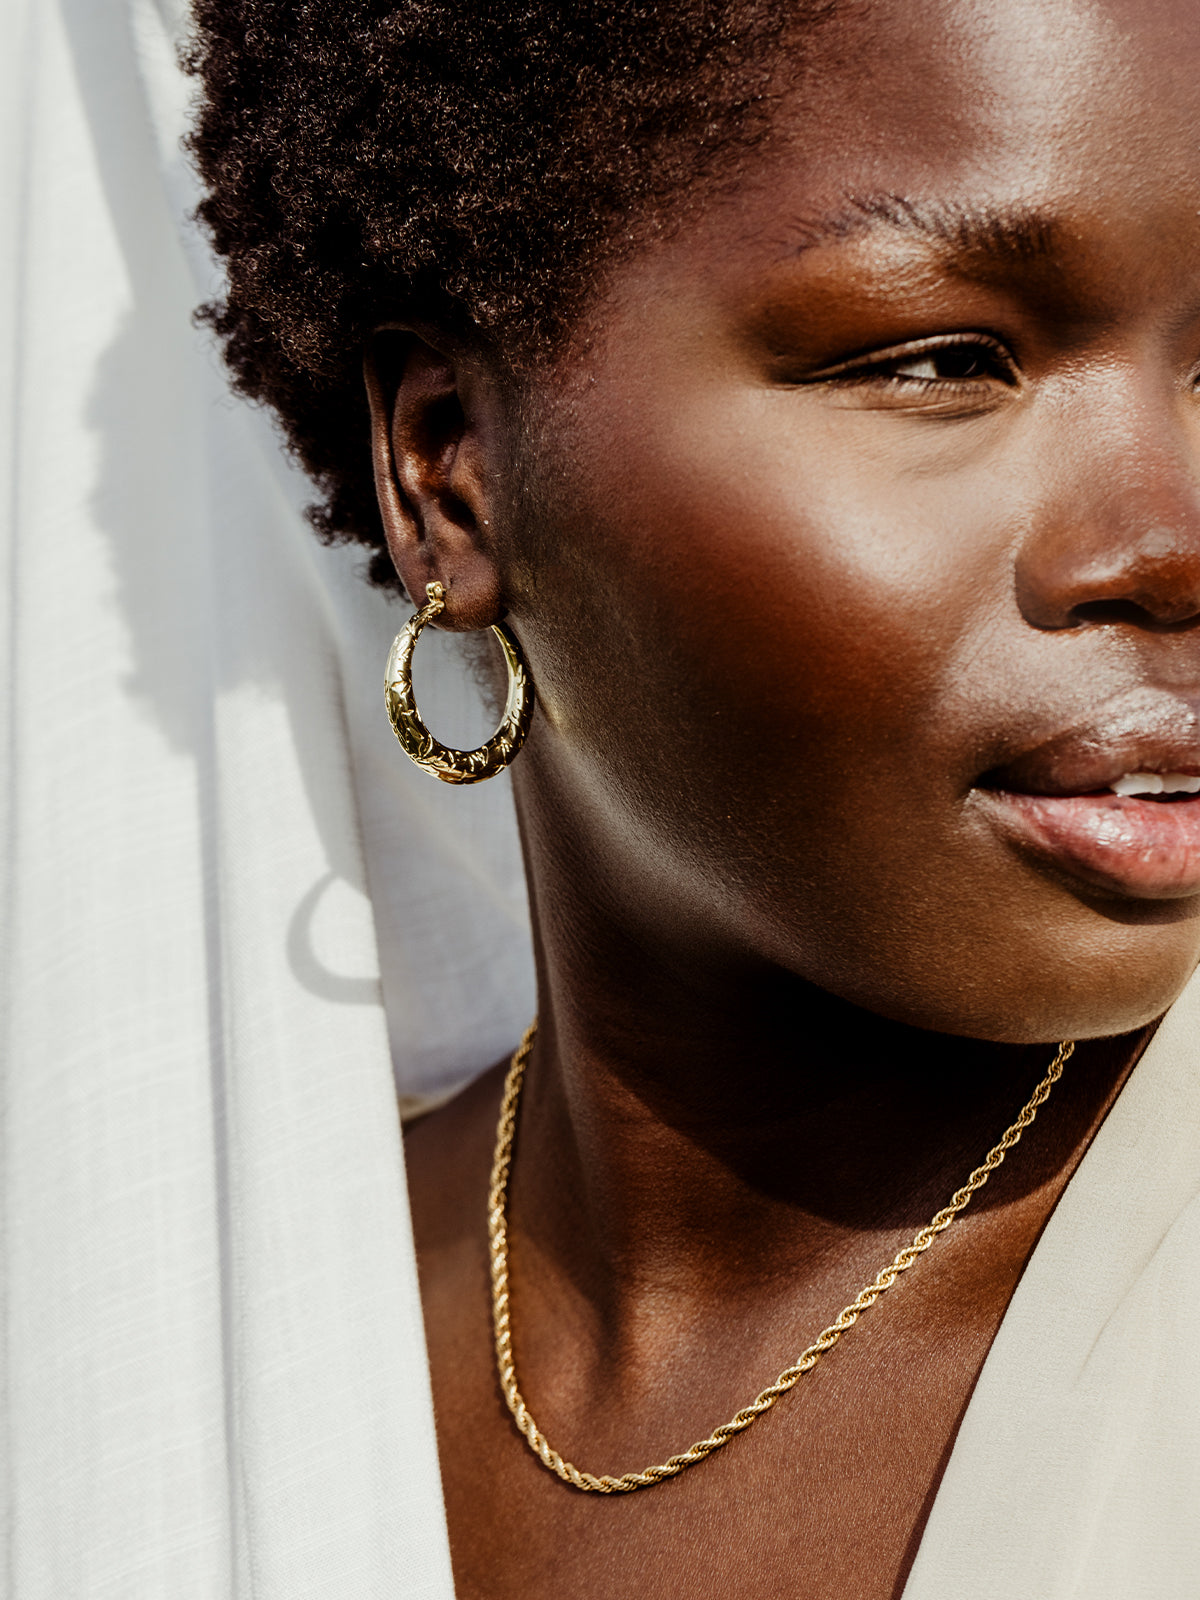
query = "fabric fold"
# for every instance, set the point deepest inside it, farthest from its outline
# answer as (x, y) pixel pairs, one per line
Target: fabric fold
(235, 924)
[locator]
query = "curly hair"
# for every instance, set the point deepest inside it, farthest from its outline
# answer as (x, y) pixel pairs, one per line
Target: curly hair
(474, 164)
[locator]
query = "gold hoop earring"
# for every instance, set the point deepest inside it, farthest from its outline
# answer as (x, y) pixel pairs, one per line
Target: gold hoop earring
(438, 760)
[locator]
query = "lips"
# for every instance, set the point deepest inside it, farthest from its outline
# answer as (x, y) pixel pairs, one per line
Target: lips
(1139, 848)
(1084, 800)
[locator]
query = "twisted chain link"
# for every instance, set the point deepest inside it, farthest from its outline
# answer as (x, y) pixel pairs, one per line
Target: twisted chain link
(789, 1377)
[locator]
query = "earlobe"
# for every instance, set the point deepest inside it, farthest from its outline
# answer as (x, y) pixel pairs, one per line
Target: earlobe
(428, 441)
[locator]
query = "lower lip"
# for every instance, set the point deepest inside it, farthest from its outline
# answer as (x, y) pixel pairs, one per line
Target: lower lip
(1146, 849)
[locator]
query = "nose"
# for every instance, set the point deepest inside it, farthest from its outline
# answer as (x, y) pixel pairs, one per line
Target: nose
(1119, 539)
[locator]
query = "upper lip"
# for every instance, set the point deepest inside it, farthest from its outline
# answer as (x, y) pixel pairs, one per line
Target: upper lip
(1145, 731)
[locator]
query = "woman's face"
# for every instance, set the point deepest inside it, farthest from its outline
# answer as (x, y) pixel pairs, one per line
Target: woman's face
(867, 556)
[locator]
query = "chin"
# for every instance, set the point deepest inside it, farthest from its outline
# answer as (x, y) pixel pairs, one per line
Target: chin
(1092, 998)
(1095, 980)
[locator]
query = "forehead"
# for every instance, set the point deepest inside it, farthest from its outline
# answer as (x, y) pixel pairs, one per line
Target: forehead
(1039, 93)
(1059, 138)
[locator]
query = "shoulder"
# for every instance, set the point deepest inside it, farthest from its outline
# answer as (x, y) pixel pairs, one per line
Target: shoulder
(448, 1156)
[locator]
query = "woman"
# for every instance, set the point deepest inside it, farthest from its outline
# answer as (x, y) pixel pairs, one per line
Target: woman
(813, 390)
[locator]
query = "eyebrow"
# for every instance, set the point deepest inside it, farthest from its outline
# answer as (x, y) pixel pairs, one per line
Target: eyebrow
(1000, 234)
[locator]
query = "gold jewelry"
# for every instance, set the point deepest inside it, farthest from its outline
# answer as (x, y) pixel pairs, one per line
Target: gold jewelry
(502, 1316)
(439, 760)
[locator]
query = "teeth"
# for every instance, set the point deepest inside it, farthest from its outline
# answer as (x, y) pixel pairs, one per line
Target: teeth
(1138, 783)
(1156, 783)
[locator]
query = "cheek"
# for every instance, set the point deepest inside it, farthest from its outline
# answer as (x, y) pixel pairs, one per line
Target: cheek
(774, 650)
(776, 577)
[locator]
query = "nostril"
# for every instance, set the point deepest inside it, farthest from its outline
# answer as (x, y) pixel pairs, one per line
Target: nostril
(1129, 613)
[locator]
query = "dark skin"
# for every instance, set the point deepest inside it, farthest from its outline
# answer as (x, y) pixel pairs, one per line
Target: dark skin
(877, 478)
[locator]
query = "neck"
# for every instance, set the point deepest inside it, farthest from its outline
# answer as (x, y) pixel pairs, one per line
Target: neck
(702, 1125)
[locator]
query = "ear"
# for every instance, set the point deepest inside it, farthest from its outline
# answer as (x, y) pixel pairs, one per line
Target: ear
(435, 426)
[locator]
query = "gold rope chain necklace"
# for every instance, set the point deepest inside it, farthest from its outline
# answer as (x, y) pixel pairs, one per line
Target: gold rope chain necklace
(787, 1379)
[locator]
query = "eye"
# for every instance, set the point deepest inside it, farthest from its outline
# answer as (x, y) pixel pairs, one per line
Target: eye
(948, 375)
(948, 363)
(975, 360)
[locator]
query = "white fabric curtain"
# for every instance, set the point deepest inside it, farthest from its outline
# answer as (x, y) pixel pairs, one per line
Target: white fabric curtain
(223, 888)
(231, 912)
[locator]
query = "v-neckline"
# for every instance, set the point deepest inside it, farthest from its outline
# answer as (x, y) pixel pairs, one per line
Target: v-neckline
(1017, 1510)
